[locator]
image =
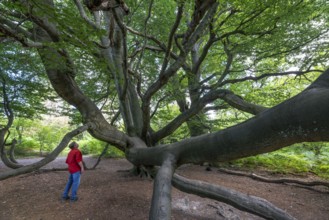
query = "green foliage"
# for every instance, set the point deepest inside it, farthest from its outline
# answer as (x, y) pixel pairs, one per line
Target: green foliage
(89, 145)
(228, 118)
(322, 170)
(95, 147)
(114, 152)
(277, 162)
(301, 158)
(164, 115)
(29, 147)
(21, 79)
(274, 91)
(35, 136)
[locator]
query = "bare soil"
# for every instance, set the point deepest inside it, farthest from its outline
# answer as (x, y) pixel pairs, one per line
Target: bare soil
(107, 193)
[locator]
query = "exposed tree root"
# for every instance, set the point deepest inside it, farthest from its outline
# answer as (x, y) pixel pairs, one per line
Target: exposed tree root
(251, 204)
(277, 180)
(50, 170)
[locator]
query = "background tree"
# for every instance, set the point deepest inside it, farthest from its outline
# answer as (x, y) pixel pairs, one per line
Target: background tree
(206, 55)
(22, 88)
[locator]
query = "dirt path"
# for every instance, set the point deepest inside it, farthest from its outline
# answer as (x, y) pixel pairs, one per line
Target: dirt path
(106, 194)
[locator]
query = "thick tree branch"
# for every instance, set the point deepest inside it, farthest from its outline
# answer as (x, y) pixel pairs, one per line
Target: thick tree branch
(163, 78)
(229, 60)
(201, 27)
(240, 104)
(205, 51)
(18, 33)
(84, 15)
(200, 9)
(12, 150)
(14, 27)
(170, 38)
(106, 5)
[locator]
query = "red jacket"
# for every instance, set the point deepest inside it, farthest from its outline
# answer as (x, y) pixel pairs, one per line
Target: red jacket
(73, 159)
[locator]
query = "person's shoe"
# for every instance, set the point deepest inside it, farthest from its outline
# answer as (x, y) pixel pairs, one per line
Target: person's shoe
(65, 198)
(74, 199)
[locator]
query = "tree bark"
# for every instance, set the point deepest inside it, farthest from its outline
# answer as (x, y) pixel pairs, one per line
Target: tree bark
(161, 199)
(12, 151)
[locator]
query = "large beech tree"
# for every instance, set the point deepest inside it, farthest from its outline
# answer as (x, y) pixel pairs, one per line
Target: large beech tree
(144, 55)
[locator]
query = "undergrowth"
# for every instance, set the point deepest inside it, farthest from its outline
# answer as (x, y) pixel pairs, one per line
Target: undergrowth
(296, 159)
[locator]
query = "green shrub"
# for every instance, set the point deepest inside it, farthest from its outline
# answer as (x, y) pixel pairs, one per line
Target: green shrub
(114, 152)
(28, 147)
(93, 146)
(305, 157)
(277, 162)
(322, 171)
(84, 149)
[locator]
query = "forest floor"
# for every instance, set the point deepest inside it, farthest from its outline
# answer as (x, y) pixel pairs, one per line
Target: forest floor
(106, 193)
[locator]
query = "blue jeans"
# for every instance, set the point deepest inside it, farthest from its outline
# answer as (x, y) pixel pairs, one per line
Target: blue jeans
(73, 185)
